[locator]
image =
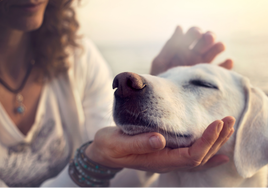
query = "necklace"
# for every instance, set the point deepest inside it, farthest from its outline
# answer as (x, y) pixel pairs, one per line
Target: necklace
(20, 107)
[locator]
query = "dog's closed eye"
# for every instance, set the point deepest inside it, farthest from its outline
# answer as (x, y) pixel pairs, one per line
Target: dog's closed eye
(201, 83)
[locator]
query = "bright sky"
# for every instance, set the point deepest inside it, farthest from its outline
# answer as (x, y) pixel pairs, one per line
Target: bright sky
(128, 21)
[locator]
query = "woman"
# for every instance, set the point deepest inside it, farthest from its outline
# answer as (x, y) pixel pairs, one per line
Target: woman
(55, 93)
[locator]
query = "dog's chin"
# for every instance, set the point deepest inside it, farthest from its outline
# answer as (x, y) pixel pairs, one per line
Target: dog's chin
(173, 140)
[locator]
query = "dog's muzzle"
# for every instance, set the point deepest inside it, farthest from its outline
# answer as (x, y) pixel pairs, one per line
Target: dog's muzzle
(137, 110)
(131, 98)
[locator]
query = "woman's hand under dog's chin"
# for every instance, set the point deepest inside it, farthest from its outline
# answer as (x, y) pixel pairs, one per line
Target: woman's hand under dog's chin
(147, 151)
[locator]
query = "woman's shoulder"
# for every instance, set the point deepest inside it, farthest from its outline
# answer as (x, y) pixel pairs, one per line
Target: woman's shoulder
(87, 57)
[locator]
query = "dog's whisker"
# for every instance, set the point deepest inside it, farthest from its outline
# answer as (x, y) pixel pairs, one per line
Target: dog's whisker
(144, 110)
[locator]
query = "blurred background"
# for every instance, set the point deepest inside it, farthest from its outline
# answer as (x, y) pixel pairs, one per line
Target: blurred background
(130, 33)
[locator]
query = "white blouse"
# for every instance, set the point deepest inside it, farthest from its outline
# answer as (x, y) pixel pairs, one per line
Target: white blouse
(71, 109)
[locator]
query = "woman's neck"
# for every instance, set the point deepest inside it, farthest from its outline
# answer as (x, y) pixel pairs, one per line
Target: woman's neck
(14, 51)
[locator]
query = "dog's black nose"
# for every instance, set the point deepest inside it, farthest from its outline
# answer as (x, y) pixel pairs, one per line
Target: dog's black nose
(128, 83)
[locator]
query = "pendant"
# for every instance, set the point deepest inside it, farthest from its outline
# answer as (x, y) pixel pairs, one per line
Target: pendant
(21, 108)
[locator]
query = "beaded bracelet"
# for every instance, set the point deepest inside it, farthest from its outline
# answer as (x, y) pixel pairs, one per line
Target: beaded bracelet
(87, 173)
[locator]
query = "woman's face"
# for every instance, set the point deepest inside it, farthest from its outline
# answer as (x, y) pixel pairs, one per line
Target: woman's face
(23, 15)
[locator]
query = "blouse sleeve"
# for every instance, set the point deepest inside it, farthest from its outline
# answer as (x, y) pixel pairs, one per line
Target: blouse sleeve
(97, 97)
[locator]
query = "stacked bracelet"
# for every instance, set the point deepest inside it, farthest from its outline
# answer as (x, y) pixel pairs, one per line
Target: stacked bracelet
(87, 173)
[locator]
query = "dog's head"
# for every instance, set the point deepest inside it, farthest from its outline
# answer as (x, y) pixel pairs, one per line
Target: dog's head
(183, 101)
(179, 103)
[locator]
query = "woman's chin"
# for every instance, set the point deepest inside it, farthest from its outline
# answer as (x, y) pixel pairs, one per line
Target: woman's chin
(29, 25)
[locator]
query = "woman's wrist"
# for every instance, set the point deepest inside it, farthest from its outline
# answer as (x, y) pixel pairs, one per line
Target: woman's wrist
(86, 172)
(101, 155)
(93, 153)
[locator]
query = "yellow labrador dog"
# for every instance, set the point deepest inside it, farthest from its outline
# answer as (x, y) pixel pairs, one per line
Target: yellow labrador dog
(182, 102)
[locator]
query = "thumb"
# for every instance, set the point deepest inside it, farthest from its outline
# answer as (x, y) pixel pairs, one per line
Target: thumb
(142, 143)
(228, 64)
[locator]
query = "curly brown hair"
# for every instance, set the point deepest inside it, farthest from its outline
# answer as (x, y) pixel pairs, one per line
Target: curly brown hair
(50, 41)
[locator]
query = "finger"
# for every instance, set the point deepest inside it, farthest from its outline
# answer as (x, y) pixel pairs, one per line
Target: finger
(205, 43)
(228, 123)
(193, 34)
(162, 61)
(115, 149)
(173, 158)
(214, 161)
(213, 52)
(170, 48)
(202, 146)
(139, 144)
(230, 134)
(119, 144)
(228, 64)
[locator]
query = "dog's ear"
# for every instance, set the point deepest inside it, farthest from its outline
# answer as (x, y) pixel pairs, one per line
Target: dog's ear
(251, 147)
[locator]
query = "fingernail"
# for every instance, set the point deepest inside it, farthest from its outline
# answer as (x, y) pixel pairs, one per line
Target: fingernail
(219, 126)
(231, 123)
(155, 142)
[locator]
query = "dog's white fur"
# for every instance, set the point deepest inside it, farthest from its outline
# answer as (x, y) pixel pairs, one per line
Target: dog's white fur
(179, 106)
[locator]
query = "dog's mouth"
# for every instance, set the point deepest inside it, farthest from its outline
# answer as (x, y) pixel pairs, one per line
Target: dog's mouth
(135, 121)
(138, 129)
(173, 139)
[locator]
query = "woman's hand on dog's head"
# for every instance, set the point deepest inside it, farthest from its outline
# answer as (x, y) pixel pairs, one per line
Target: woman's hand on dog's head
(188, 49)
(147, 151)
